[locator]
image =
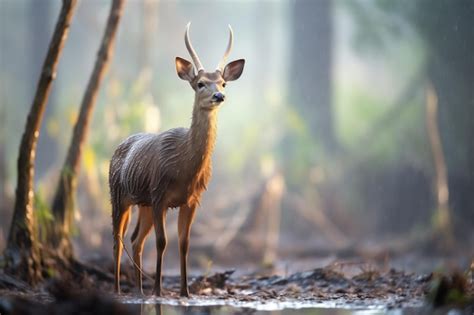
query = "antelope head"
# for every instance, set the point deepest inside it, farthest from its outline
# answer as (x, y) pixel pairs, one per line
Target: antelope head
(209, 87)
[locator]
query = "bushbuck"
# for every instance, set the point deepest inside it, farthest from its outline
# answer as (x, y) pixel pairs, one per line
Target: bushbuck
(170, 169)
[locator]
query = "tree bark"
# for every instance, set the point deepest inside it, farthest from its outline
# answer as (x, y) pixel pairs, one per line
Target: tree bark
(63, 202)
(22, 254)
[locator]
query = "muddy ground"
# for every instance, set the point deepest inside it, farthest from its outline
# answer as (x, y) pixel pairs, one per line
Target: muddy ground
(332, 285)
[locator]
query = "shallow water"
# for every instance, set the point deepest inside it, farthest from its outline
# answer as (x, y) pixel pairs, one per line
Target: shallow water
(159, 309)
(148, 309)
(164, 306)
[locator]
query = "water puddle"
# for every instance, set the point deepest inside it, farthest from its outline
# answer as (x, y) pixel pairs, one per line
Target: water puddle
(321, 291)
(163, 306)
(158, 309)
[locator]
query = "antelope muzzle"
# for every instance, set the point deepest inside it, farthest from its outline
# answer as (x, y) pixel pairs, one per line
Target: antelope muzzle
(218, 97)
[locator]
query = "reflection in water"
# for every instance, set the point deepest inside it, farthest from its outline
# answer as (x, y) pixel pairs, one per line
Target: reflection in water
(158, 309)
(170, 306)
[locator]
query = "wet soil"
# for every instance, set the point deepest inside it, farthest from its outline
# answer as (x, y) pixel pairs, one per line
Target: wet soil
(329, 287)
(321, 286)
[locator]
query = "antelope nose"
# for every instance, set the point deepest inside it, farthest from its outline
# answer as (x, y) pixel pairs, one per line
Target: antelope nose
(218, 97)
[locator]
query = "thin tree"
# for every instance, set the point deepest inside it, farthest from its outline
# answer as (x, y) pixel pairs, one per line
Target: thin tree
(443, 225)
(310, 72)
(63, 202)
(21, 255)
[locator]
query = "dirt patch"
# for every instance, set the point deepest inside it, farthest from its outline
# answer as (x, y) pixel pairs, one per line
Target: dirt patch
(320, 286)
(390, 289)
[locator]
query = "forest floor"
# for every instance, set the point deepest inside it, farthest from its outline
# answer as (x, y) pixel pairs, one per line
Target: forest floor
(321, 287)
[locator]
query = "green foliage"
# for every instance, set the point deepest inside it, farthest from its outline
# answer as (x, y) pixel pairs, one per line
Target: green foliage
(380, 23)
(299, 150)
(356, 110)
(249, 141)
(400, 136)
(43, 214)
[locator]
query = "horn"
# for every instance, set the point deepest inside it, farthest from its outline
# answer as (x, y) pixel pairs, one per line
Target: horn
(191, 50)
(221, 65)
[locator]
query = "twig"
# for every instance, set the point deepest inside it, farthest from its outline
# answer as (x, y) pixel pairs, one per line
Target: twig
(133, 262)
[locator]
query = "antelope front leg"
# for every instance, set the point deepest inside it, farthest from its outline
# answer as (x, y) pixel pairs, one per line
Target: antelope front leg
(159, 218)
(185, 220)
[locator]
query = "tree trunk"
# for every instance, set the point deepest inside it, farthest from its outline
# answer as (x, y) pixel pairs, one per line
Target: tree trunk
(310, 73)
(63, 202)
(22, 254)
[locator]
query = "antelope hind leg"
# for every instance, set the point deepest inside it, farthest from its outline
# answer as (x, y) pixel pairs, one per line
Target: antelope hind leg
(144, 224)
(120, 227)
(185, 220)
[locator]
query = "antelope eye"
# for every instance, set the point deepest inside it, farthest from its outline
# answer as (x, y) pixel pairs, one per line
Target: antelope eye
(200, 85)
(224, 84)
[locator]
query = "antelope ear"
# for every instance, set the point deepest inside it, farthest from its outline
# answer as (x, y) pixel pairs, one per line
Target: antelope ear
(185, 69)
(233, 70)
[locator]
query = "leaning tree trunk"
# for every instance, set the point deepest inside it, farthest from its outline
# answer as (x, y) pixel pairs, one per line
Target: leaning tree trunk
(22, 255)
(63, 202)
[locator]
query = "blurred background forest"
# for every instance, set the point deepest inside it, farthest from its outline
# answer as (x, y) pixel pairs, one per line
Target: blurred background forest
(350, 131)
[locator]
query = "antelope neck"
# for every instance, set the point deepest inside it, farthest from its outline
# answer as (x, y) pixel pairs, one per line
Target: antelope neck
(202, 136)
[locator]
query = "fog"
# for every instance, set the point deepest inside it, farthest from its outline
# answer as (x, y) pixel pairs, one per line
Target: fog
(350, 132)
